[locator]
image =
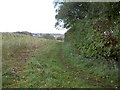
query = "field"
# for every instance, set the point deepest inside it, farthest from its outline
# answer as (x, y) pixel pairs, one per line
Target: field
(16, 49)
(31, 62)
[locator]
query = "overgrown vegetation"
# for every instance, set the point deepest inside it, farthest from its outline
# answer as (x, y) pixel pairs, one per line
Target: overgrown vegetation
(94, 69)
(55, 66)
(94, 31)
(48, 36)
(15, 51)
(60, 38)
(89, 57)
(13, 43)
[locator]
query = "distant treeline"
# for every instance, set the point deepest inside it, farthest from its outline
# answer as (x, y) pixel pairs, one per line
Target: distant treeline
(24, 32)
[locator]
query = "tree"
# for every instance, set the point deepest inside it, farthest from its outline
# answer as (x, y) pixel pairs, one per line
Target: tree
(60, 38)
(93, 27)
(48, 36)
(70, 12)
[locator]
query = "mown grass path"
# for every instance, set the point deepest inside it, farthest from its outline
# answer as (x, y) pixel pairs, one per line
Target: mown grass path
(47, 69)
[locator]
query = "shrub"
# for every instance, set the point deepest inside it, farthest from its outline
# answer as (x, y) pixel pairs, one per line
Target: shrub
(48, 36)
(59, 38)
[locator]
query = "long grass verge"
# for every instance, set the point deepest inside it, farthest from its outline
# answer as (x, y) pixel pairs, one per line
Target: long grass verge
(97, 69)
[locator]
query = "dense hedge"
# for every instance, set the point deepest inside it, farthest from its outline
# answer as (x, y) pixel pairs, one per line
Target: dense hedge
(94, 28)
(94, 34)
(89, 42)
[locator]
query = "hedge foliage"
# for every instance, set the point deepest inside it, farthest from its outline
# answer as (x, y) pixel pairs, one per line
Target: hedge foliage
(93, 28)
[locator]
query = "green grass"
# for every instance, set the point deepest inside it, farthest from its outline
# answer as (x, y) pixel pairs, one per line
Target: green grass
(15, 44)
(96, 69)
(46, 70)
(53, 65)
(0, 60)
(12, 43)
(15, 51)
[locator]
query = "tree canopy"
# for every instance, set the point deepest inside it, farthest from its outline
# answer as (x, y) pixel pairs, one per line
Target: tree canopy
(93, 27)
(48, 36)
(70, 12)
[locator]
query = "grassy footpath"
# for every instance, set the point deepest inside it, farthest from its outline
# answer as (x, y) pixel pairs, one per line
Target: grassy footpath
(96, 71)
(50, 64)
(46, 70)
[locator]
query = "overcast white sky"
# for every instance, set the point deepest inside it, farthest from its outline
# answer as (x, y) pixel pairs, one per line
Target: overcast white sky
(36, 16)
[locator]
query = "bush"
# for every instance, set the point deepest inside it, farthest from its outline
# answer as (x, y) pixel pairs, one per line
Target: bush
(48, 36)
(59, 38)
(91, 42)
